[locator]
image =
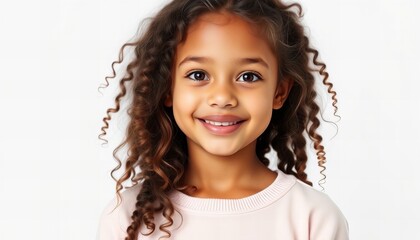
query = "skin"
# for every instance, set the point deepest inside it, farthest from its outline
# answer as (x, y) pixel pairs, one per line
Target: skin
(220, 82)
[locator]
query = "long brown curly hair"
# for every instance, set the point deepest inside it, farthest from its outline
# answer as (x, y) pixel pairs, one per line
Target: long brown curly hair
(156, 147)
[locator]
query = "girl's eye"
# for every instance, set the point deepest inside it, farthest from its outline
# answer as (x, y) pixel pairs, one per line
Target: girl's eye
(197, 76)
(249, 77)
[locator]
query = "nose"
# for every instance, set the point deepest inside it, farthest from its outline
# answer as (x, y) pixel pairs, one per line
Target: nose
(222, 95)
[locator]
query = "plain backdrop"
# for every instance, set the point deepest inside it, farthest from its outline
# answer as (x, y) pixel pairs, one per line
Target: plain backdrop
(54, 172)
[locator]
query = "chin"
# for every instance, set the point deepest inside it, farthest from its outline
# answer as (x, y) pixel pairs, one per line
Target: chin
(221, 151)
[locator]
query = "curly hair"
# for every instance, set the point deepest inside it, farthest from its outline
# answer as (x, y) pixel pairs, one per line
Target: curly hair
(156, 147)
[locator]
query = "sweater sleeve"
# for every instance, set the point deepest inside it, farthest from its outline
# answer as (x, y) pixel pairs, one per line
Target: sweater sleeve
(327, 222)
(110, 227)
(115, 219)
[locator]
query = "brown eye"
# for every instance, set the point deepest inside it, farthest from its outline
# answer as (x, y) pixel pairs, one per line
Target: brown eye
(249, 77)
(197, 76)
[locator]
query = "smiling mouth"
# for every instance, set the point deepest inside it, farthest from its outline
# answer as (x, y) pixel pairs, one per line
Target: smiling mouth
(221, 124)
(224, 124)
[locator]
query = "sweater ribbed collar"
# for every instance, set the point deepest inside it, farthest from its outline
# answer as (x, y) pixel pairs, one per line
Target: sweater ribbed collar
(277, 189)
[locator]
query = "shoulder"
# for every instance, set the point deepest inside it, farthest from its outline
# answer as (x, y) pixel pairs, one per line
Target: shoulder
(115, 218)
(325, 219)
(311, 196)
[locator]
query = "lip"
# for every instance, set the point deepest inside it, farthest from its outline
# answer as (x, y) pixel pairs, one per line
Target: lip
(221, 130)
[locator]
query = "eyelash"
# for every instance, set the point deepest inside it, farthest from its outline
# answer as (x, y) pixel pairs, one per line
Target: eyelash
(258, 76)
(189, 75)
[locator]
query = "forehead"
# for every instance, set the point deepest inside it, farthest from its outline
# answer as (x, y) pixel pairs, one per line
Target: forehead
(216, 20)
(224, 34)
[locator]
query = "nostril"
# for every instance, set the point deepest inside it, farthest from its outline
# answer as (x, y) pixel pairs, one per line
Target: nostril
(222, 98)
(223, 103)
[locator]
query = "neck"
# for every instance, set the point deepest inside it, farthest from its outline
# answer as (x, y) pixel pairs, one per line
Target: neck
(238, 174)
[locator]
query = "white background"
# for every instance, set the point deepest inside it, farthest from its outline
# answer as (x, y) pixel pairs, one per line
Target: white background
(54, 173)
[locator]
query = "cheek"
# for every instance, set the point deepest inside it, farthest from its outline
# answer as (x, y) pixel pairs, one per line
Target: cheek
(184, 105)
(260, 110)
(183, 99)
(264, 112)
(260, 106)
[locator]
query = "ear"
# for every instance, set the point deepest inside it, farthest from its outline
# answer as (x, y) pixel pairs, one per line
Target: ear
(283, 89)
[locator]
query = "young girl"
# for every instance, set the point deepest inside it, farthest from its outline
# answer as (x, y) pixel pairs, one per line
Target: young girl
(215, 85)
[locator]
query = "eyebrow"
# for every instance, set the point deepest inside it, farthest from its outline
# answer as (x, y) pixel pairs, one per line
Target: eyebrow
(199, 59)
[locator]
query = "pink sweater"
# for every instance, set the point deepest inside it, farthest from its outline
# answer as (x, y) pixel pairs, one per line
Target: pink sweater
(287, 209)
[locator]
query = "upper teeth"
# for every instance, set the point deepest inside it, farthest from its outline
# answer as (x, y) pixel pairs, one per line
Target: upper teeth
(220, 123)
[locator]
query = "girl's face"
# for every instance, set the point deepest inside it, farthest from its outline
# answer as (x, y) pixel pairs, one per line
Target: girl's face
(224, 85)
